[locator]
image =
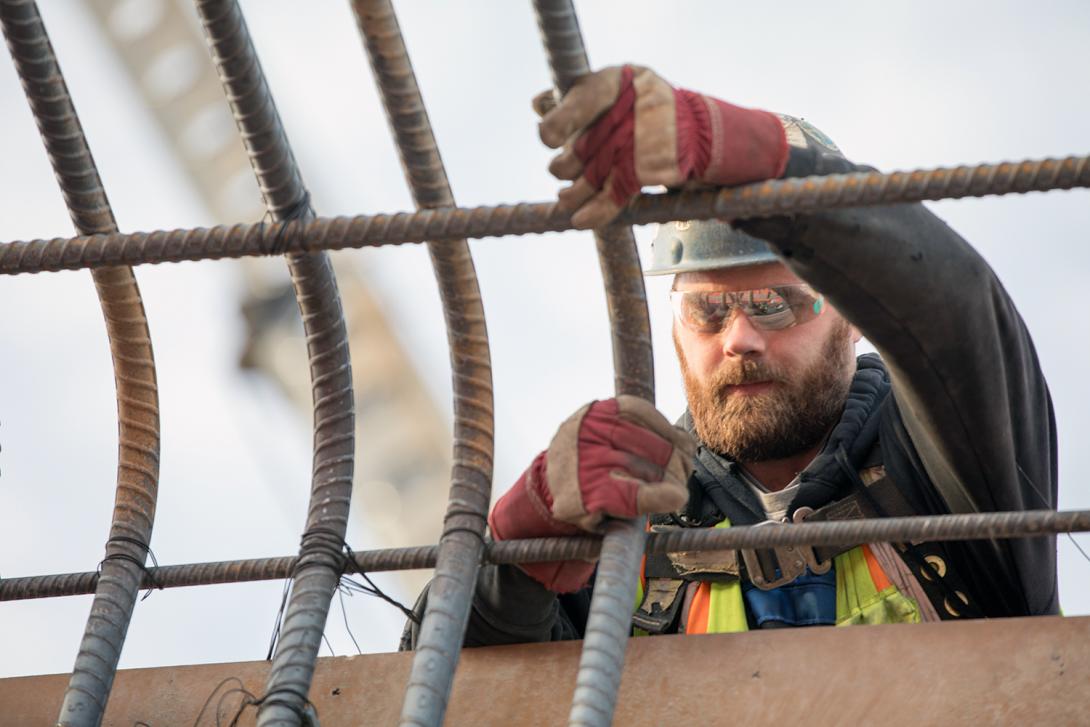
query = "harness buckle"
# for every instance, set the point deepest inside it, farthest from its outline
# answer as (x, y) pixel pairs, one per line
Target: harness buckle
(816, 567)
(775, 567)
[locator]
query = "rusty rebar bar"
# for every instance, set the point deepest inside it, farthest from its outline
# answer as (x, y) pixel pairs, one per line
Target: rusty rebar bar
(926, 528)
(606, 635)
(461, 543)
(133, 362)
(762, 199)
(317, 571)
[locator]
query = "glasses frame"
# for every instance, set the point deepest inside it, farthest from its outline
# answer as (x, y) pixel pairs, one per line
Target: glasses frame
(732, 300)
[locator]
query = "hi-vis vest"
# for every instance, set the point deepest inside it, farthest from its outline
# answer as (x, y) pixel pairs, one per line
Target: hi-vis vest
(864, 595)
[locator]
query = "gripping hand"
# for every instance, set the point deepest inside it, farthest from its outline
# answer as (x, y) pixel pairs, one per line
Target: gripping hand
(624, 128)
(614, 458)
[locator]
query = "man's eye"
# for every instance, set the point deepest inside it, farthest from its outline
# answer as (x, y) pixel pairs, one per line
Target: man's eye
(706, 314)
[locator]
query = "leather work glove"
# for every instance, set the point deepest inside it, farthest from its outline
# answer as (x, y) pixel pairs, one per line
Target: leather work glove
(613, 458)
(623, 128)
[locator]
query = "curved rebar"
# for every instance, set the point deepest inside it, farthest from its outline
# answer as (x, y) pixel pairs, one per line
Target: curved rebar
(926, 528)
(318, 568)
(134, 368)
(761, 199)
(461, 544)
(609, 620)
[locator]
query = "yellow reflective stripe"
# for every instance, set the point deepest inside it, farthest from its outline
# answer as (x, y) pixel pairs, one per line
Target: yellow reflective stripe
(853, 584)
(727, 609)
(727, 613)
(858, 601)
(639, 598)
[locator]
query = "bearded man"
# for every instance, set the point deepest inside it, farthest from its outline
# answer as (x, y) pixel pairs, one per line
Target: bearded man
(789, 425)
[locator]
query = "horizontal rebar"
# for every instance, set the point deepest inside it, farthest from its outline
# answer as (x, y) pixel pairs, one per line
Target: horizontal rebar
(763, 199)
(927, 528)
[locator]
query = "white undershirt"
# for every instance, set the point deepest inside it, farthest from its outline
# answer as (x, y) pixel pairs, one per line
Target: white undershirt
(775, 504)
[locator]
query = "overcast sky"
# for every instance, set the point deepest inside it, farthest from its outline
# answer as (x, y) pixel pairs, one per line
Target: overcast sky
(897, 84)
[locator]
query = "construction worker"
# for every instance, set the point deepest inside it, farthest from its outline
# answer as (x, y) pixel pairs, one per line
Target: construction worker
(784, 422)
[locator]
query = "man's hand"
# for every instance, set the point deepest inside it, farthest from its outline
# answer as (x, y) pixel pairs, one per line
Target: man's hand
(614, 458)
(624, 128)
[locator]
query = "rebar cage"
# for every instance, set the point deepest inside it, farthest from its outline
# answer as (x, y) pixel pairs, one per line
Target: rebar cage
(294, 230)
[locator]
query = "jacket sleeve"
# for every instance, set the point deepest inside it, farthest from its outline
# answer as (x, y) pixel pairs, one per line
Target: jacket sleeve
(967, 385)
(509, 607)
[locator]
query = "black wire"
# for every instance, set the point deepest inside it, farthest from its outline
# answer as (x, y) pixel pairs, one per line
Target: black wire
(344, 614)
(321, 541)
(372, 589)
(279, 619)
(1044, 501)
(155, 584)
(311, 549)
(249, 700)
(1033, 486)
(301, 210)
(348, 563)
(219, 704)
(1078, 547)
(272, 698)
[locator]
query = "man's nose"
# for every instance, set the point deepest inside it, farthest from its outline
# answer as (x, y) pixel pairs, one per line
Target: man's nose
(741, 337)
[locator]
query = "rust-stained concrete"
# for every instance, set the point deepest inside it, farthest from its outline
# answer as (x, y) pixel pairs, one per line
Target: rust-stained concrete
(1012, 671)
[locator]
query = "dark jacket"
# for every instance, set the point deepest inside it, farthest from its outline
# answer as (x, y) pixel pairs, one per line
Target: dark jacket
(966, 423)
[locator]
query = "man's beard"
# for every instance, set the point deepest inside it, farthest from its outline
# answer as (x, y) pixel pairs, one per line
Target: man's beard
(788, 419)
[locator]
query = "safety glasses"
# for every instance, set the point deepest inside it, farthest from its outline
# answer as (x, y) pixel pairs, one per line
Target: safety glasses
(770, 309)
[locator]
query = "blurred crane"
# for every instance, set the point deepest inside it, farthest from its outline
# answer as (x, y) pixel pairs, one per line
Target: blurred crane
(404, 458)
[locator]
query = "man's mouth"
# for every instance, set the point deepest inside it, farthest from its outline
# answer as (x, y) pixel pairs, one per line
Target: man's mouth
(748, 388)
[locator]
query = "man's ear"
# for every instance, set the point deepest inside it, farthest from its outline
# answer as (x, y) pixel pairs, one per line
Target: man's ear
(856, 335)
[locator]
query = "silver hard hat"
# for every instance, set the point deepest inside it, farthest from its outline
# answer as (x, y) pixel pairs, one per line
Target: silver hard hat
(691, 245)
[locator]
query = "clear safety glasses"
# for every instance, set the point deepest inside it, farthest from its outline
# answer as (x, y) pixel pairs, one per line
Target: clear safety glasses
(770, 309)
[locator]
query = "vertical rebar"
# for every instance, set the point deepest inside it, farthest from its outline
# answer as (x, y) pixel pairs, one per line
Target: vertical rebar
(133, 362)
(320, 561)
(609, 621)
(461, 543)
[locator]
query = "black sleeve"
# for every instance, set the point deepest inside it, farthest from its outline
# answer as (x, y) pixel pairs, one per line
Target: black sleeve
(509, 607)
(968, 389)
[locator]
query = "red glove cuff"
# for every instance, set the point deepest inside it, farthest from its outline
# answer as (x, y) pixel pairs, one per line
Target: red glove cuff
(524, 511)
(694, 133)
(729, 144)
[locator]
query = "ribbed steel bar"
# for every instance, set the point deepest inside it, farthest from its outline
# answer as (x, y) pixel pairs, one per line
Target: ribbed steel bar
(927, 528)
(133, 362)
(608, 623)
(762, 199)
(461, 544)
(318, 569)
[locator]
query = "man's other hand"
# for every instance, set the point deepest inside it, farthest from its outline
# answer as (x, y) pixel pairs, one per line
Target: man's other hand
(624, 128)
(614, 458)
